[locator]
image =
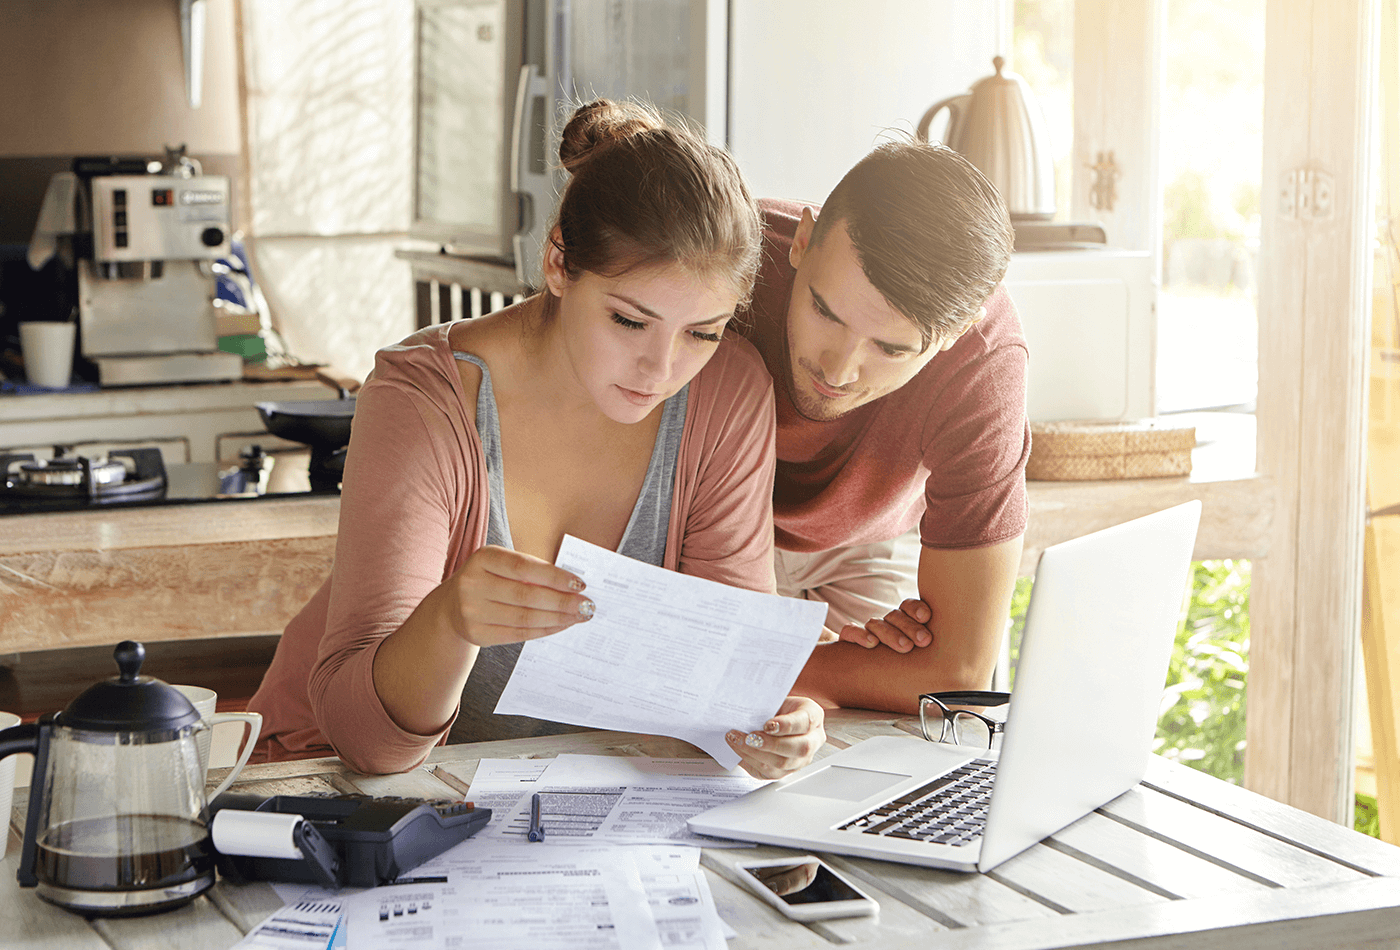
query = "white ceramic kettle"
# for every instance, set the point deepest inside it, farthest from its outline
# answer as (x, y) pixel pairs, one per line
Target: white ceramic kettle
(999, 127)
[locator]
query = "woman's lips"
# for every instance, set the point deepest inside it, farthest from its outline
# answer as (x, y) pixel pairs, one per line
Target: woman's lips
(638, 398)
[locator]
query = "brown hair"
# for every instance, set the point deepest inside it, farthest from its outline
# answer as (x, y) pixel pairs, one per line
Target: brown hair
(644, 191)
(931, 232)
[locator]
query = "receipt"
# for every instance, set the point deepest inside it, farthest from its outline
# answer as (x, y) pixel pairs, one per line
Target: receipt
(665, 653)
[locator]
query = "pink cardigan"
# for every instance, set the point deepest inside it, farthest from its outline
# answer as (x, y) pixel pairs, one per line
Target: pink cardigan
(414, 506)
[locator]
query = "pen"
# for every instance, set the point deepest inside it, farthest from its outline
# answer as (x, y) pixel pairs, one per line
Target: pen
(536, 832)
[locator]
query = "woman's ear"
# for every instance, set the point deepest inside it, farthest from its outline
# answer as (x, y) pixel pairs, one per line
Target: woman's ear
(556, 277)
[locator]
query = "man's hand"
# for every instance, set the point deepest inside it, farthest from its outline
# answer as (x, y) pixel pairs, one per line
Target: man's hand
(902, 629)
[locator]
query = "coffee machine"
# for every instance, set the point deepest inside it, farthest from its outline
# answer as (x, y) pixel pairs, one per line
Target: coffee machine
(146, 241)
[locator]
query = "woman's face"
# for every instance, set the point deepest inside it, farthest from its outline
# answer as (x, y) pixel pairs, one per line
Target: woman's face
(635, 340)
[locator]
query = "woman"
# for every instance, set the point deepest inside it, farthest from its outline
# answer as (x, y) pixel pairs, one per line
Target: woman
(605, 407)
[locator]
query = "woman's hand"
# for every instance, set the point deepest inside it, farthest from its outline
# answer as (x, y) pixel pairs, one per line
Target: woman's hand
(902, 629)
(503, 596)
(788, 741)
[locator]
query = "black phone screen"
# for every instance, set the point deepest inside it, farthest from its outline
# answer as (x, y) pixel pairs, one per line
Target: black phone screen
(803, 882)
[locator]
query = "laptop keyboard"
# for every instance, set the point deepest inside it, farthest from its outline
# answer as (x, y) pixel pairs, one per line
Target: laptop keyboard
(949, 810)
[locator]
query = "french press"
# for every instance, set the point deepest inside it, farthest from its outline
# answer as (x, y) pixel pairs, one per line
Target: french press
(116, 823)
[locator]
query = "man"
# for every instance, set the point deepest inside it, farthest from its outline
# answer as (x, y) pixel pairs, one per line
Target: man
(900, 374)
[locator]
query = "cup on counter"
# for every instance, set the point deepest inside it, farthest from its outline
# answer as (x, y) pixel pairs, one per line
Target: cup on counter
(7, 782)
(48, 352)
(204, 701)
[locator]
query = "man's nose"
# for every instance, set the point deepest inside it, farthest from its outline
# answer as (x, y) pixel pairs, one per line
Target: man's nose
(840, 367)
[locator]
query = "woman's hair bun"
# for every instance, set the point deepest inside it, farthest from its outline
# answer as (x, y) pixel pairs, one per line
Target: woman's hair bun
(600, 123)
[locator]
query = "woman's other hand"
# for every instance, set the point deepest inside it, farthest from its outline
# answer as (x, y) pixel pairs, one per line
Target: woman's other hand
(902, 629)
(788, 741)
(503, 596)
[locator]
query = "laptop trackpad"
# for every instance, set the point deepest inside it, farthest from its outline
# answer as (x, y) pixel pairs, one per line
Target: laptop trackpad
(847, 784)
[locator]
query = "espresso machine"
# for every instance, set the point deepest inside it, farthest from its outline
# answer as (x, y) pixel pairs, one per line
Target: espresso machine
(145, 245)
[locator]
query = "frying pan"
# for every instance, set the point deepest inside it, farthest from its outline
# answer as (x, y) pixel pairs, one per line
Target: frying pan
(323, 424)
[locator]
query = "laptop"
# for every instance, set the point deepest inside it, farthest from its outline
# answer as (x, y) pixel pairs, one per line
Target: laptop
(1089, 680)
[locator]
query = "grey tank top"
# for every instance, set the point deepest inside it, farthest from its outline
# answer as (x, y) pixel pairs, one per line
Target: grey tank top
(644, 539)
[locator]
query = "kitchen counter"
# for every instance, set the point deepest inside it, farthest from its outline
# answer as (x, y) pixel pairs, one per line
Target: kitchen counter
(165, 572)
(246, 567)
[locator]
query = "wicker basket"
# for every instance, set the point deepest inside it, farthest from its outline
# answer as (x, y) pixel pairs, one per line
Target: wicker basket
(1088, 451)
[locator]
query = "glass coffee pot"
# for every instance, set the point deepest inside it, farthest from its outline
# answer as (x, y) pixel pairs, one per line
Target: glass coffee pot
(116, 823)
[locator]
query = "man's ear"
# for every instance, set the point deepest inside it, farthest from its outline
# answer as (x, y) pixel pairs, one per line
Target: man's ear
(556, 278)
(803, 238)
(954, 337)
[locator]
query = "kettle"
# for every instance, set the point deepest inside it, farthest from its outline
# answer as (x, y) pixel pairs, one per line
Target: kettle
(999, 127)
(116, 824)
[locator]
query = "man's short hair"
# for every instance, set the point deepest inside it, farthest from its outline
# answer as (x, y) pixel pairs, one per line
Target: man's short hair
(931, 232)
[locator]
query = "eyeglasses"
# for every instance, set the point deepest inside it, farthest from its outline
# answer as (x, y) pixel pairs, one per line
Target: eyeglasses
(961, 726)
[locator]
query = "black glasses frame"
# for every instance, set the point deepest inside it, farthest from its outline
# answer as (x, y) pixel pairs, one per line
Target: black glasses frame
(968, 697)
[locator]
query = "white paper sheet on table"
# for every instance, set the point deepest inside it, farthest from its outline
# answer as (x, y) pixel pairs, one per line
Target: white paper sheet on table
(624, 799)
(305, 923)
(503, 895)
(499, 784)
(665, 653)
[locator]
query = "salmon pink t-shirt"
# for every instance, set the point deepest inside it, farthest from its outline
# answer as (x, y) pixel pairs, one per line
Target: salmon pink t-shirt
(947, 451)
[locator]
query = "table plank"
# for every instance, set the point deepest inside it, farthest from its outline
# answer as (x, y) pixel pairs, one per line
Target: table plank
(246, 905)
(1225, 842)
(951, 898)
(197, 926)
(1069, 885)
(419, 783)
(1351, 916)
(28, 922)
(1146, 861)
(1293, 825)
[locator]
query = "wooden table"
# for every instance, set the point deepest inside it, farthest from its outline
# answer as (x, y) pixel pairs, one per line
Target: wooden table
(1183, 860)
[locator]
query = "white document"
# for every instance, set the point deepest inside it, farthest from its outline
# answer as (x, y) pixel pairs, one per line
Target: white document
(498, 785)
(665, 653)
(624, 799)
(676, 889)
(500, 896)
(304, 924)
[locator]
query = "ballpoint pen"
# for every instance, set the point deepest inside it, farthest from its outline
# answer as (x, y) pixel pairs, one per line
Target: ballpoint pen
(536, 832)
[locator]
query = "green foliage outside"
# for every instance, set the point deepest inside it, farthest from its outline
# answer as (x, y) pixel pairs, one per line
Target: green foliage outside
(1202, 714)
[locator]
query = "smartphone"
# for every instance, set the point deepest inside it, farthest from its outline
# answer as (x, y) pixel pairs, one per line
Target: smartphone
(805, 888)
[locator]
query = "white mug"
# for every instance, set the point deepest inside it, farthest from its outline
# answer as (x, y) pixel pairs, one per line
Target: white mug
(204, 701)
(47, 349)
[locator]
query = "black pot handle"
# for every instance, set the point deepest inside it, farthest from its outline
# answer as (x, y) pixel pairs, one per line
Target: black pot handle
(21, 738)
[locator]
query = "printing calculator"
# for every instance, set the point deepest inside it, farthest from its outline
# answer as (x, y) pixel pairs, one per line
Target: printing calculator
(351, 840)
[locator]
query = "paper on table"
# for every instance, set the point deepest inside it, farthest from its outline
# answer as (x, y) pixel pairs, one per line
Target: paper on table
(499, 784)
(633, 799)
(665, 653)
(502, 896)
(302, 924)
(676, 889)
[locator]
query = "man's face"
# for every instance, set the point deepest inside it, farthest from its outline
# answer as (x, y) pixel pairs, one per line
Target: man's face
(846, 345)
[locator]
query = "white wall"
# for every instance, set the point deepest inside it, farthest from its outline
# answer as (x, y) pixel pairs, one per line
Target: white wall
(329, 93)
(816, 84)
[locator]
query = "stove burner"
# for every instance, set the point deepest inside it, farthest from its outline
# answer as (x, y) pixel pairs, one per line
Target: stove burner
(101, 480)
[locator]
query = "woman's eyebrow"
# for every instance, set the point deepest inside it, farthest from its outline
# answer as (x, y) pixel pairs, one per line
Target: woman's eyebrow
(647, 311)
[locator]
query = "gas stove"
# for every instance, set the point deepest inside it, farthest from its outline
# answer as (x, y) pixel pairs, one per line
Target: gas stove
(140, 477)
